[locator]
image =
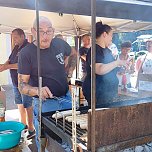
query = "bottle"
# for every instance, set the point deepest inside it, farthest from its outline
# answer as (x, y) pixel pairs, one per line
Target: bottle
(2, 119)
(2, 112)
(124, 83)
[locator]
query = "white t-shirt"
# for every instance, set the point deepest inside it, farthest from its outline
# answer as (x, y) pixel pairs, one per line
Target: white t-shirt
(147, 65)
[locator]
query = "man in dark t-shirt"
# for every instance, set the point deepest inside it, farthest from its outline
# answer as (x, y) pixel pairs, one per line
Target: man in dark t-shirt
(52, 66)
(23, 102)
(54, 91)
(83, 53)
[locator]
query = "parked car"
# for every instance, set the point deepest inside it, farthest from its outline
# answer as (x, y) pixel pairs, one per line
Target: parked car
(140, 53)
(140, 43)
(139, 46)
(137, 54)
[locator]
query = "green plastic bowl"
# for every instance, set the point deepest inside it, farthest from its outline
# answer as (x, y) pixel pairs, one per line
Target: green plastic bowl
(8, 141)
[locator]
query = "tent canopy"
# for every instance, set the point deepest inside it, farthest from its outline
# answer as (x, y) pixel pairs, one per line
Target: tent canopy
(122, 15)
(128, 9)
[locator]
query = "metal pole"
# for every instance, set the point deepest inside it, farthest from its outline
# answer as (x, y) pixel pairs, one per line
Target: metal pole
(93, 77)
(39, 72)
(77, 32)
(74, 129)
(76, 39)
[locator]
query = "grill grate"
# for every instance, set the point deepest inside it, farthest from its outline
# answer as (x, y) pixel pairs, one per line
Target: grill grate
(81, 133)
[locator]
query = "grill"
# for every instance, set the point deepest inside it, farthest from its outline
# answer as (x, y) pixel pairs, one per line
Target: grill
(62, 129)
(126, 126)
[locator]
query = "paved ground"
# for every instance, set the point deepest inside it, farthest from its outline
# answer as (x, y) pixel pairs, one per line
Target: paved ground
(9, 97)
(12, 113)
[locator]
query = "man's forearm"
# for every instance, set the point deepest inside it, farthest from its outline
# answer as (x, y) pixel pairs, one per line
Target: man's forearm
(26, 89)
(12, 66)
(7, 65)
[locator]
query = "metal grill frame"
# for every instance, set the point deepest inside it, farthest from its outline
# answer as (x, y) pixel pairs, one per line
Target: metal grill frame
(59, 131)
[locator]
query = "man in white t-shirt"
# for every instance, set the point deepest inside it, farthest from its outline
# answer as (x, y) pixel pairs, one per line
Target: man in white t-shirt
(144, 62)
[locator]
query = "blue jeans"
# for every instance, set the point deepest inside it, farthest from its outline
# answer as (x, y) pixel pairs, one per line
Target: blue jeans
(22, 99)
(65, 102)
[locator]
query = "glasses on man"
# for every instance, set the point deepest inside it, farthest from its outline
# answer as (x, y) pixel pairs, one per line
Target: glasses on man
(48, 32)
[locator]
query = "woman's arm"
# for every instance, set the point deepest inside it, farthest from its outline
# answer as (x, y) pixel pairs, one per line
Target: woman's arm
(102, 69)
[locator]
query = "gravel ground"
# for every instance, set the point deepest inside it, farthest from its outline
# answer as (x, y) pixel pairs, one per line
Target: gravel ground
(144, 148)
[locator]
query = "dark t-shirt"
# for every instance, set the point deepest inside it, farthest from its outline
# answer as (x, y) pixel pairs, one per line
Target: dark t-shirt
(83, 51)
(52, 66)
(13, 58)
(107, 84)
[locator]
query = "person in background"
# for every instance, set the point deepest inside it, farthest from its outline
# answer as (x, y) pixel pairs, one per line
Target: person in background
(86, 43)
(55, 92)
(124, 73)
(60, 36)
(71, 60)
(106, 68)
(23, 102)
(144, 62)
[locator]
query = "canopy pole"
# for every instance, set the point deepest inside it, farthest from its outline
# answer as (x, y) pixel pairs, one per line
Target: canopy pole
(76, 40)
(39, 74)
(93, 77)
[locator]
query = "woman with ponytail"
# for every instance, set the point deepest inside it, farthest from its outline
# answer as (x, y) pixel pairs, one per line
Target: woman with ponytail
(105, 68)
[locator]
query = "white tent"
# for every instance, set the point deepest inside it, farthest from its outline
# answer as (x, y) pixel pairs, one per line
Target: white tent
(70, 24)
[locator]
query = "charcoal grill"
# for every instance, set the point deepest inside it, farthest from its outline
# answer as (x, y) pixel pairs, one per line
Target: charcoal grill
(62, 129)
(122, 125)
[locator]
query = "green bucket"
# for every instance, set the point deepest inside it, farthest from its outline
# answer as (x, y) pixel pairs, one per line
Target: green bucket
(11, 139)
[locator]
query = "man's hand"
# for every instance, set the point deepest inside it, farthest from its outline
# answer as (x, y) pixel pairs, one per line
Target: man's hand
(46, 93)
(3, 67)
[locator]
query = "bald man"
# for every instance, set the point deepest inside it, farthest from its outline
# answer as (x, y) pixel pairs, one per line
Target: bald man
(54, 81)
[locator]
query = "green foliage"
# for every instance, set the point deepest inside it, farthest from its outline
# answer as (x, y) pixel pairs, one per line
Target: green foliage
(119, 38)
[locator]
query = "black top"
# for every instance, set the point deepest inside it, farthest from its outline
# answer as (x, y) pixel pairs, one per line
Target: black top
(13, 59)
(107, 84)
(52, 65)
(83, 51)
